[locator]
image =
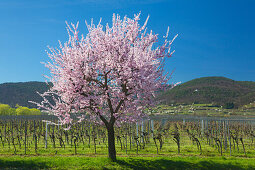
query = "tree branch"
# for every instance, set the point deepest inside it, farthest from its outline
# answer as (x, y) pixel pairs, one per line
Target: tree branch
(108, 95)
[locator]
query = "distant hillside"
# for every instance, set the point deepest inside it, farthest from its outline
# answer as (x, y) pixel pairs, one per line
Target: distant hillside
(21, 93)
(217, 90)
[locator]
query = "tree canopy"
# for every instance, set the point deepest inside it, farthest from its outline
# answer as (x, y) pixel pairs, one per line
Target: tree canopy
(5, 109)
(110, 74)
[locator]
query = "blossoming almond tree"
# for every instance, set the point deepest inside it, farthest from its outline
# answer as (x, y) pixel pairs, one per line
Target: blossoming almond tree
(111, 74)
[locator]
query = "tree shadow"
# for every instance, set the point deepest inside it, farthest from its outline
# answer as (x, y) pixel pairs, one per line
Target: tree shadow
(22, 164)
(136, 163)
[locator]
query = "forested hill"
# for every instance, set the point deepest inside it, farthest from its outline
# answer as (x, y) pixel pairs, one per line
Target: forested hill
(218, 90)
(21, 93)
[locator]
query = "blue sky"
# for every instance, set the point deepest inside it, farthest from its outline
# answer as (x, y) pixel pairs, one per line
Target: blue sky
(216, 37)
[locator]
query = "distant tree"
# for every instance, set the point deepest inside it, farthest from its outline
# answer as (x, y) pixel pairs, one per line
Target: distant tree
(229, 105)
(23, 111)
(35, 111)
(5, 109)
(111, 74)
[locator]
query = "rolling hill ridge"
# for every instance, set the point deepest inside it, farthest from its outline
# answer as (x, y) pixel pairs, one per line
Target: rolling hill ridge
(21, 93)
(217, 90)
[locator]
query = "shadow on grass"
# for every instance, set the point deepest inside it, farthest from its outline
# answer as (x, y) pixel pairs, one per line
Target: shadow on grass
(171, 164)
(22, 164)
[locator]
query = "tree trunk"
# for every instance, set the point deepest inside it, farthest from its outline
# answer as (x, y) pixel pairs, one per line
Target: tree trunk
(111, 142)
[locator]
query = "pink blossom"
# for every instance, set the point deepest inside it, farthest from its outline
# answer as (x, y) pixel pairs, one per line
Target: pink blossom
(110, 72)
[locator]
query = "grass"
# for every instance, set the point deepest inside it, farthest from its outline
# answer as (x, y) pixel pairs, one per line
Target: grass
(188, 148)
(101, 162)
(147, 157)
(169, 149)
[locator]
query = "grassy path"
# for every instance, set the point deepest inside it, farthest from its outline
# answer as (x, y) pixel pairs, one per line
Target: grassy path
(101, 162)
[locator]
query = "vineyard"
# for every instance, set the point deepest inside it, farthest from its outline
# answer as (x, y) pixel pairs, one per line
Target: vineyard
(162, 135)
